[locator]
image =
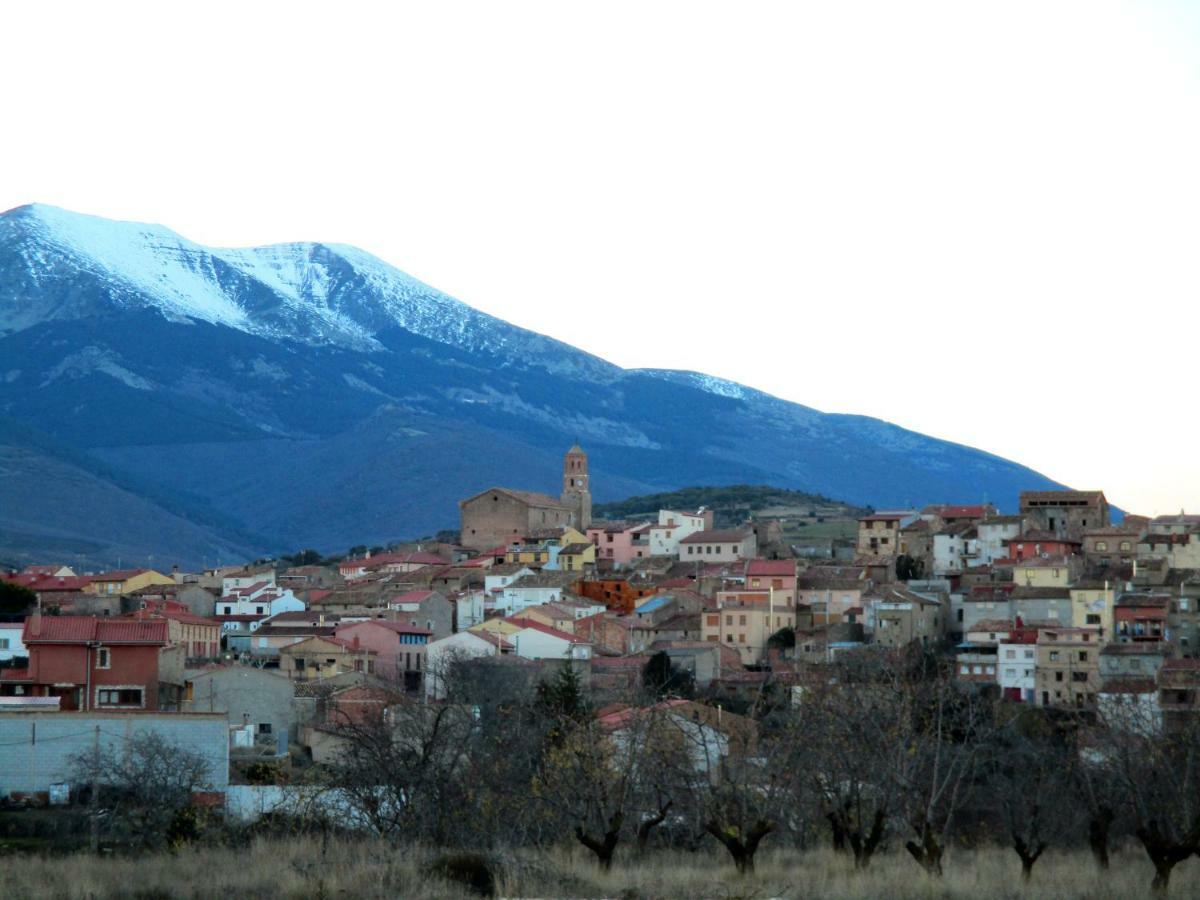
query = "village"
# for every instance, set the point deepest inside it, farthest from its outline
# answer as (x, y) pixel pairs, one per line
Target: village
(280, 663)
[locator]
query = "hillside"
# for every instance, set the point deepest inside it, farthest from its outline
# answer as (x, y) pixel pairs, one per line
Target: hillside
(310, 395)
(731, 504)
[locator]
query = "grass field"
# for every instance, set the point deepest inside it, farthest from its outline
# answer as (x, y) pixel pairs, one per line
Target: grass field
(302, 867)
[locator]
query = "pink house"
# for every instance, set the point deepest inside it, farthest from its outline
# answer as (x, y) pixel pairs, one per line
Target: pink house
(621, 542)
(399, 648)
(777, 576)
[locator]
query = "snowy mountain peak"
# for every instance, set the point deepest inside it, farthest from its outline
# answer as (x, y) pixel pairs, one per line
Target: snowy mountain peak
(313, 293)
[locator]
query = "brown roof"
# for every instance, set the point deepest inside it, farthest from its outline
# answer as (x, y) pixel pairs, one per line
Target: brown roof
(531, 498)
(715, 537)
(1062, 496)
(1032, 592)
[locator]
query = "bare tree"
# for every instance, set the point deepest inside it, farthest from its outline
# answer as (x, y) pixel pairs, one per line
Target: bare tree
(1158, 776)
(935, 759)
(140, 786)
(1029, 777)
(848, 732)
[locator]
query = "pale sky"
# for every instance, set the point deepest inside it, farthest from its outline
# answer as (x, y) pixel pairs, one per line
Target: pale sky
(978, 221)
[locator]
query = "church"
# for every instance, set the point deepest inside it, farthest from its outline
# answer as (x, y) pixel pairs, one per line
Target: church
(499, 516)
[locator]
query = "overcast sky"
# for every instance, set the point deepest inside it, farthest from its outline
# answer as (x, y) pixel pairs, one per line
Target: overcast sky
(979, 221)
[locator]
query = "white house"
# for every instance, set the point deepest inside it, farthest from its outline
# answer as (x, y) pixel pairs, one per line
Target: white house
(259, 599)
(497, 578)
(991, 537)
(955, 548)
(243, 579)
(440, 654)
(538, 641)
(534, 590)
(468, 610)
(1016, 667)
(10, 640)
(673, 526)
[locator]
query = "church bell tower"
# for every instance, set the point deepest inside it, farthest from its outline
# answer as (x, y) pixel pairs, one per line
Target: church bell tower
(576, 493)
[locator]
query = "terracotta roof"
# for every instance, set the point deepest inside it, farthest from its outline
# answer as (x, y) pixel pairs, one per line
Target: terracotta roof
(546, 629)
(397, 627)
(182, 616)
(90, 629)
(991, 625)
(785, 567)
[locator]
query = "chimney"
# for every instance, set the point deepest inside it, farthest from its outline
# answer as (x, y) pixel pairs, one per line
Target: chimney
(35, 623)
(354, 643)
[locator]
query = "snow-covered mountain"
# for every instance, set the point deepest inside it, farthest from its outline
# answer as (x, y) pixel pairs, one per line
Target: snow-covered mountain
(311, 394)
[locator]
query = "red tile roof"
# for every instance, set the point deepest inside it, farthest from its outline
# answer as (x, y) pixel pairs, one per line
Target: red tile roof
(397, 627)
(546, 629)
(771, 567)
(90, 629)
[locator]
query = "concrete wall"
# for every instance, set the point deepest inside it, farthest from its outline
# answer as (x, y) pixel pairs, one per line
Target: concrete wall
(36, 748)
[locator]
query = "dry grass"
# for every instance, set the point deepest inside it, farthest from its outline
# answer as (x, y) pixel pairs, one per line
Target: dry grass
(301, 868)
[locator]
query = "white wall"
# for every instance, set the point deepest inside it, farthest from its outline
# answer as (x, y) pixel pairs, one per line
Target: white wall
(10, 634)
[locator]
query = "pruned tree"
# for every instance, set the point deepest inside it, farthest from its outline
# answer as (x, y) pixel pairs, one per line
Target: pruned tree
(1157, 773)
(140, 787)
(399, 770)
(849, 732)
(1030, 774)
(935, 760)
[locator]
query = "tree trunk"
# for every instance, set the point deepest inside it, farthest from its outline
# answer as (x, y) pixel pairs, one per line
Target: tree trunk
(606, 847)
(928, 853)
(864, 847)
(1098, 826)
(643, 832)
(742, 852)
(1029, 851)
(837, 829)
(1165, 853)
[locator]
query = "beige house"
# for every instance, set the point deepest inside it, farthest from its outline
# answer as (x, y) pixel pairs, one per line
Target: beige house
(1039, 571)
(1068, 667)
(745, 625)
(879, 533)
(1116, 545)
(125, 581)
(324, 657)
(900, 617)
(1092, 606)
(718, 546)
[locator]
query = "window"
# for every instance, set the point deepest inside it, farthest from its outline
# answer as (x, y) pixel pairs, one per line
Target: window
(1058, 676)
(1093, 619)
(1053, 656)
(742, 638)
(264, 727)
(1101, 546)
(729, 620)
(119, 697)
(1079, 676)
(4, 643)
(1124, 545)
(1083, 656)
(741, 620)
(103, 658)
(1010, 653)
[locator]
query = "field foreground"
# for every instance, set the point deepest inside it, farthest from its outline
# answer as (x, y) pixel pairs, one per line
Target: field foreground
(302, 867)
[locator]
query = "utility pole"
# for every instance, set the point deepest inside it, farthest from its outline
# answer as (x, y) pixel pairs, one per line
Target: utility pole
(95, 804)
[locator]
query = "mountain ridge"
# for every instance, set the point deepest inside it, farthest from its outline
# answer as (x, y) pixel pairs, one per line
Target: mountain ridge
(313, 395)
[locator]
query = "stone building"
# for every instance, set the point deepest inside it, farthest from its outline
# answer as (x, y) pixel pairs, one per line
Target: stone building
(1065, 513)
(576, 492)
(501, 516)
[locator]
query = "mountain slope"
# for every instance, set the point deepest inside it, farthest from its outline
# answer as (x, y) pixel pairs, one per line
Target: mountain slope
(314, 395)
